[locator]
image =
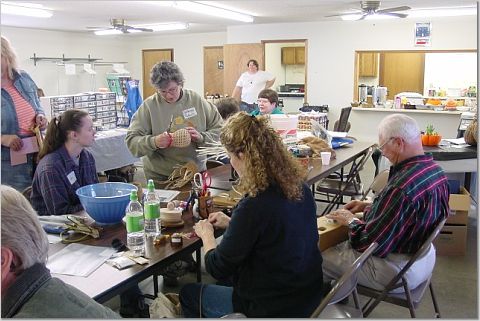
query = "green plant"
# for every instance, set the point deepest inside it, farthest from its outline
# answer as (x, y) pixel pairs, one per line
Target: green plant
(430, 130)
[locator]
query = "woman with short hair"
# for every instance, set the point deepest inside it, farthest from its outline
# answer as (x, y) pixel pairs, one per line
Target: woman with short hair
(270, 245)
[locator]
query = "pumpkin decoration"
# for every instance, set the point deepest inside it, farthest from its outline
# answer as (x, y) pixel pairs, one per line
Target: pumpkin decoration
(451, 104)
(470, 135)
(181, 138)
(431, 137)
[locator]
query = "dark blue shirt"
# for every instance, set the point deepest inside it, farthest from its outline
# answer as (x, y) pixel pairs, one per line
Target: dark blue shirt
(54, 185)
(271, 249)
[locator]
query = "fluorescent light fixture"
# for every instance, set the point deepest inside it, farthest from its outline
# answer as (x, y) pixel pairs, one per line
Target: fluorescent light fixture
(108, 32)
(25, 9)
(443, 12)
(206, 9)
(164, 26)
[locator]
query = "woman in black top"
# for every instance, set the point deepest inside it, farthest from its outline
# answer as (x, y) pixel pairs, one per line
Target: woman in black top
(269, 248)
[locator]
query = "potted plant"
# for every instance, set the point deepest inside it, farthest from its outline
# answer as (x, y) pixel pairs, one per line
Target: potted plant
(431, 137)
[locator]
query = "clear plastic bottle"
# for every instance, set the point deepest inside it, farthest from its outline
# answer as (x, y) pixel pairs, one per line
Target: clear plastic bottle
(151, 208)
(134, 221)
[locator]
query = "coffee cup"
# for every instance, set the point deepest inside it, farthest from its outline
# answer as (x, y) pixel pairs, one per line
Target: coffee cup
(325, 157)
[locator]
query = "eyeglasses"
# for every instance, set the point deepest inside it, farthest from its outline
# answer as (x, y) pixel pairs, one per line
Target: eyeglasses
(262, 101)
(380, 148)
(170, 91)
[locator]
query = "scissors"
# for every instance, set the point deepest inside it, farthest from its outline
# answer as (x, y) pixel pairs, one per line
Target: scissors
(202, 181)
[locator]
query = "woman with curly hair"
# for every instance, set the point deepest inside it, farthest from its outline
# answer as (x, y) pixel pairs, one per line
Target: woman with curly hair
(269, 247)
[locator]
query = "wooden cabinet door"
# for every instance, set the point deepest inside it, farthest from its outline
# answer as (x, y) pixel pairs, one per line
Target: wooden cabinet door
(401, 72)
(368, 64)
(300, 55)
(213, 71)
(235, 57)
(288, 55)
(149, 58)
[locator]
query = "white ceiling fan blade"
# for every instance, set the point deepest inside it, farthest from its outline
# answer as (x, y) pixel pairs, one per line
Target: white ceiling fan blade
(393, 14)
(97, 28)
(343, 14)
(402, 8)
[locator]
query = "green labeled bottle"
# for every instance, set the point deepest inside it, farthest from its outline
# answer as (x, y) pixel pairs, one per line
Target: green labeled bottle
(134, 221)
(151, 209)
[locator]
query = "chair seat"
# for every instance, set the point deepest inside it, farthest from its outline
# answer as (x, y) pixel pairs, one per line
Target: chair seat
(337, 311)
(333, 186)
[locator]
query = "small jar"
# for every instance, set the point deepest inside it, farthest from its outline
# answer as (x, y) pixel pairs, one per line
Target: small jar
(176, 239)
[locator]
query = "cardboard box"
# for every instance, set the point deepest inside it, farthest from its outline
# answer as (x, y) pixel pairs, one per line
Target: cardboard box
(459, 207)
(330, 233)
(452, 240)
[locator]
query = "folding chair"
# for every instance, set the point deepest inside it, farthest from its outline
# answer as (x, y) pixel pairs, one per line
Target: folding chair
(411, 298)
(345, 185)
(345, 286)
(379, 182)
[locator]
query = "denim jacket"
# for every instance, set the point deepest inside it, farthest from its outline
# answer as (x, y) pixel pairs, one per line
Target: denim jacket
(28, 89)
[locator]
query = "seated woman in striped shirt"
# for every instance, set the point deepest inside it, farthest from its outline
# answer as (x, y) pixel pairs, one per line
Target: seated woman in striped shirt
(65, 165)
(21, 111)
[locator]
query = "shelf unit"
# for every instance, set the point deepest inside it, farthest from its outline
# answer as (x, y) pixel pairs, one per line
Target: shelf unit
(64, 59)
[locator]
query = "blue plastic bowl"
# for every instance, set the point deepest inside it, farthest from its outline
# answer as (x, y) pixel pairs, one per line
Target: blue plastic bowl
(106, 202)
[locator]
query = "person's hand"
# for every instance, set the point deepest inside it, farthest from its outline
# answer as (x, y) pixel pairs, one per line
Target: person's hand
(342, 216)
(163, 140)
(203, 229)
(12, 141)
(355, 206)
(41, 121)
(194, 134)
(219, 219)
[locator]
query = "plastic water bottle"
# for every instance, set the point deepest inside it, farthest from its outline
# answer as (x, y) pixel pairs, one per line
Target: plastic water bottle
(151, 208)
(134, 221)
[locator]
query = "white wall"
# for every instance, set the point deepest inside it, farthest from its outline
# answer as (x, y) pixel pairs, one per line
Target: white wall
(331, 50)
(50, 77)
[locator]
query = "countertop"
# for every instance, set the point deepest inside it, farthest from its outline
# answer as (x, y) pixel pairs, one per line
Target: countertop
(419, 111)
(290, 94)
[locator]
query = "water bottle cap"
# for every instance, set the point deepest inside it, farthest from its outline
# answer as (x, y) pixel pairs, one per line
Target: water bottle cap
(150, 185)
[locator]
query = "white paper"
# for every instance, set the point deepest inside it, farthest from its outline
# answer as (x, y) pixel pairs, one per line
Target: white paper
(88, 69)
(120, 69)
(70, 69)
(53, 238)
(78, 259)
(456, 141)
(337, 134)
(166, 195)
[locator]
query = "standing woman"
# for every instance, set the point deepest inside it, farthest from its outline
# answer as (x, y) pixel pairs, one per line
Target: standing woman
(270, 246)
(64, 164)
(21, 111)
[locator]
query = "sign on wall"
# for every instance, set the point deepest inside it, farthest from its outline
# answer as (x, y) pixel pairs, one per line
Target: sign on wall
(423, 32)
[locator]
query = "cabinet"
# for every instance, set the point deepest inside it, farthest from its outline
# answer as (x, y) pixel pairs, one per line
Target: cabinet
(293, 55)
(368, 64)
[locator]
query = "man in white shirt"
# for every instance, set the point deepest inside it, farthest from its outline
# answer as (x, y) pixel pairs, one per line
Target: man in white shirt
(250, 84)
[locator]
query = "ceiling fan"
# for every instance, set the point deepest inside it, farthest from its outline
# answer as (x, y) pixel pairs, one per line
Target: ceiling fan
(120, 25)
(369, 8)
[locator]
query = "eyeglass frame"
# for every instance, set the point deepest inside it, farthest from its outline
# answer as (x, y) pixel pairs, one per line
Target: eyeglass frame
(171, 91)
(380, 148)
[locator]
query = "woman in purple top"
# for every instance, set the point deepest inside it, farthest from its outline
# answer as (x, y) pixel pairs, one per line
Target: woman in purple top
(64, 164)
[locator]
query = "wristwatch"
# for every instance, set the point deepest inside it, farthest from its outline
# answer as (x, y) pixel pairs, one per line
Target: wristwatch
(353, 219)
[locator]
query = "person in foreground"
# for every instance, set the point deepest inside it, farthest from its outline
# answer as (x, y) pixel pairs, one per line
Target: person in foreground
(267, 103)
(270, 246)
(400, 218)
(65, 165)
(28, 289)
(21, 111)
(171, 108)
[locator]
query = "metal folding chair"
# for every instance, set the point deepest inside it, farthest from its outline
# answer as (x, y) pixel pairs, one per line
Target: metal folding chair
(411, 298)
(346, 285)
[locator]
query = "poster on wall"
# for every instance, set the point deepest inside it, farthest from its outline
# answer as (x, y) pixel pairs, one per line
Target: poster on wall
(423, 32)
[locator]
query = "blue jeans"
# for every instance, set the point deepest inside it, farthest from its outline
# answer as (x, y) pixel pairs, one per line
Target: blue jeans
(247, 107)
(18, 176)
(216, 300)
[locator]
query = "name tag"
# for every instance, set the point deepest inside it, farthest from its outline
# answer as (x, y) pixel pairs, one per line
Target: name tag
(72, 178)
(189, 113)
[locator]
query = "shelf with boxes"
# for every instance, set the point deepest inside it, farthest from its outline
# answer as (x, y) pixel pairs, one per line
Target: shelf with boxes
(101, 106)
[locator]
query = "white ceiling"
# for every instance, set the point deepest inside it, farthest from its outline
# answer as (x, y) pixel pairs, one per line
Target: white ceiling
(77, 15)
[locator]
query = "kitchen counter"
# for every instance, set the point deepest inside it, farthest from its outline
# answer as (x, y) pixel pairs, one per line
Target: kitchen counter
(422, 111)
(290, 94)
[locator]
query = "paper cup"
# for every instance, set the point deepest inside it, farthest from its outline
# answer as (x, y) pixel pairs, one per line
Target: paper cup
(325, 157)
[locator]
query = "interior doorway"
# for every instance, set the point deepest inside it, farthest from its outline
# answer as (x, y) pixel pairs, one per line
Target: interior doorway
(149, 58)
(213, 66)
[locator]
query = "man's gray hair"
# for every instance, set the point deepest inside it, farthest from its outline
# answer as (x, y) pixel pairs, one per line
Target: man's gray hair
(164, 72)
(21, 229)
(398, 125)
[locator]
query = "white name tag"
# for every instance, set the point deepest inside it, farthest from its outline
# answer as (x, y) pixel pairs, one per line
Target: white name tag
(189, 113)
(72, 178)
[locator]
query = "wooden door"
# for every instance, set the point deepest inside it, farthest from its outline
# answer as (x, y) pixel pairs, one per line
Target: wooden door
(149, 58)
(401, 72)
(235, 58)
(213, 67)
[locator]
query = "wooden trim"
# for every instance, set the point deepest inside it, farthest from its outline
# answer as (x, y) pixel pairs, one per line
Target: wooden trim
(419, 50)
(284, 40)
